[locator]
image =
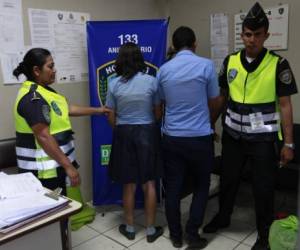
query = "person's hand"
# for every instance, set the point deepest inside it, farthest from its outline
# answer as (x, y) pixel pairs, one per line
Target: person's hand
(73, 175)
(216, 137)
(103, 110)
(286, 155)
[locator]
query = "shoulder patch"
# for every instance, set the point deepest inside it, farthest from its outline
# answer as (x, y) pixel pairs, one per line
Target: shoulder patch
(46, 112)
(55, 108)
(232, 73)
(286, 76)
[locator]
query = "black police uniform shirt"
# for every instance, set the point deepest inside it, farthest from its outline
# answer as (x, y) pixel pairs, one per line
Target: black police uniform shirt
(34, 108)
(285, 81)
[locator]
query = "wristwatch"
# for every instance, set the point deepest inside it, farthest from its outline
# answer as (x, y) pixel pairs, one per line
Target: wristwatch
(289, 145)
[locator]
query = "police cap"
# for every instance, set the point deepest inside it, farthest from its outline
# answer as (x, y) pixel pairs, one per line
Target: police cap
(256, 18)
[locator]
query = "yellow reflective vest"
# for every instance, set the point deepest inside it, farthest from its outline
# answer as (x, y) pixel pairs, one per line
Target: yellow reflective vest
(30, 155)
(252, 110)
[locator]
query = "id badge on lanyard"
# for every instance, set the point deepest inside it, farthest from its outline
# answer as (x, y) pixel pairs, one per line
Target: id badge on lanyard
(256, 121)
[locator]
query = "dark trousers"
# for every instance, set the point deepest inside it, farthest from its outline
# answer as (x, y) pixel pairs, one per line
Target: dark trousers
(262, 159)
(181, 154)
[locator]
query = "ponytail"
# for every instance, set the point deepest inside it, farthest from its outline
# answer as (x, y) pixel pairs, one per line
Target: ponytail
(34, 57)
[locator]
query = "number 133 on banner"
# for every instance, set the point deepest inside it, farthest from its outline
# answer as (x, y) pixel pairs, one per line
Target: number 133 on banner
(125, 38)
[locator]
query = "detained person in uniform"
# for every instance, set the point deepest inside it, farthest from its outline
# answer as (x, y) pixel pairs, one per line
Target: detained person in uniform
(134, 158)
(44, 136)
(188, 88)
(256, 87)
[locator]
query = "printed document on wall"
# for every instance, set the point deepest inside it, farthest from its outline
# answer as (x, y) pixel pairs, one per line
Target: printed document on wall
(218, 38)
(11, 37)
(64, 34)
(219, 29)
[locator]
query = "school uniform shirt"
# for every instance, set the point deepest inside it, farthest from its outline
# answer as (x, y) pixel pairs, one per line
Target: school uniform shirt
(186, 82)
(133, 100)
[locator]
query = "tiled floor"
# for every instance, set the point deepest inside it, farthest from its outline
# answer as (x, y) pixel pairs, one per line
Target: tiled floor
(103, 233)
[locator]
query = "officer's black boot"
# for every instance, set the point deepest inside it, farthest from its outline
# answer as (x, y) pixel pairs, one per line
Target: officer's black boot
(261, 244)
(216, 223)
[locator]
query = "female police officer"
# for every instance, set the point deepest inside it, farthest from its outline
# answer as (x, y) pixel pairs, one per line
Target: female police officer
(44, 141)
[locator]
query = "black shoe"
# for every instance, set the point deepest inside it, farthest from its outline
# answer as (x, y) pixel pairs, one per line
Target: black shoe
(158, 232)
(128, 235)
(215, 225)
(196, 242)
(176, 242)
(261, 244)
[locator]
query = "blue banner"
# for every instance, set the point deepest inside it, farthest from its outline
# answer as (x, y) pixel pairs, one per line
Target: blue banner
(104, 40)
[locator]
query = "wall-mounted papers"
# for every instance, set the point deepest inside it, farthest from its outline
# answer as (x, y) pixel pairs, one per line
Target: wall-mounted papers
(218, 38)
(64, 34)
(11, 38)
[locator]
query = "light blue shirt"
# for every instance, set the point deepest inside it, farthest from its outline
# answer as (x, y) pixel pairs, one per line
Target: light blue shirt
(185, 84)
(133, 100)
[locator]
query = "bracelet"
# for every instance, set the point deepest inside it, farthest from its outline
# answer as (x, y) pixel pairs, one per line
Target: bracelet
(289, 145)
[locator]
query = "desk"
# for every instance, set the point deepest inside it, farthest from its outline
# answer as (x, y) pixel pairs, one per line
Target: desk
(44, 233)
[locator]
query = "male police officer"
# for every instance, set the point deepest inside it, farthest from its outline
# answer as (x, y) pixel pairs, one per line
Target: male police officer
(256, 85)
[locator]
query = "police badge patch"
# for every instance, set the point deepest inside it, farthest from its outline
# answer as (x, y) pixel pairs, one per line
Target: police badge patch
(56, 108)
(232, 73)
(286, 76)
(46, 112)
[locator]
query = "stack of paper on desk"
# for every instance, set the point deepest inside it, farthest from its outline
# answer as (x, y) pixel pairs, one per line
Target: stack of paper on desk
(21, 197)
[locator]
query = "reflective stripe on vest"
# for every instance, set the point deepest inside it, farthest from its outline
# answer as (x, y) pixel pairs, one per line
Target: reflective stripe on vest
(42, 165)
(251, 93)
(40, 153)
(268, 128)
(246, 118)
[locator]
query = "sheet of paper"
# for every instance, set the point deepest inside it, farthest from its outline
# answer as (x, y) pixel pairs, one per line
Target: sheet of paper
(219, 28)
(11, 26)
(219, 38)
(11, 38)
(18, 185)
(64, 33)
(9, 61)
(15, 210)
(23, 196)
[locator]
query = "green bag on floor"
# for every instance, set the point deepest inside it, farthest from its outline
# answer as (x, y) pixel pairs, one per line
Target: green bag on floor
(85, 215)
(283, 234)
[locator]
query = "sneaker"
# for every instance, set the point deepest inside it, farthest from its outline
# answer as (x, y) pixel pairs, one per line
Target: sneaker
(215, 225)
(128, 235)
(261, 244)
(176, 242)
(196, 242)
(158, 232)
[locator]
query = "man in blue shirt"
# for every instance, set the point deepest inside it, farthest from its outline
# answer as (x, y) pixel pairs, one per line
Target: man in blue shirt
(188, 87)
